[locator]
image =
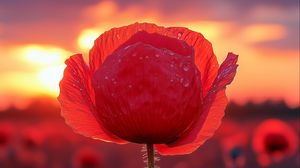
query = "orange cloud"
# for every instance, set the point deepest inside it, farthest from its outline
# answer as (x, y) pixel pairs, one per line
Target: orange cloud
(263, 32)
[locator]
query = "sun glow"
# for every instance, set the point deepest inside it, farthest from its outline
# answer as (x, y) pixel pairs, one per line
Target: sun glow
(43, 55)
(49, 78)
(47, 65)
(87, 37)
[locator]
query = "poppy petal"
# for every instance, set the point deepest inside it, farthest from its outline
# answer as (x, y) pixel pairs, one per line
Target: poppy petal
(213, 111)
(111, 40)
(205, 58)
(160, 41)
(77, 101)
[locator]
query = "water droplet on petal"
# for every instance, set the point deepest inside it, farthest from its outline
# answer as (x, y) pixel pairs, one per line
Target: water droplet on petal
(140, 58)
(181, 80)
(127, 47)
(146, 56)
(106, 77)
(186, 67)
(119, 60)
(156, 55)
(172, 80)
(129, 86)
(179, 35)
(134, 54)
(186, 84)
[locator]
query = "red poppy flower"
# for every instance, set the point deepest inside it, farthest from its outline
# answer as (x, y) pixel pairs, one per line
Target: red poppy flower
(6, 131)
(87, 157)
(234, 148)
(25, 158)
(147, 84)
(274, 140)
(31, 138)
(4, 138)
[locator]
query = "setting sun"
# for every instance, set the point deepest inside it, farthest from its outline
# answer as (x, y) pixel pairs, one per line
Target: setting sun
(44, 66)
(43, 55)
(49, 79)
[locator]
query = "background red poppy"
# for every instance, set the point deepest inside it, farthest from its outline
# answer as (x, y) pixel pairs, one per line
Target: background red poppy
(234, 149)
(87, 157)
(274, 140)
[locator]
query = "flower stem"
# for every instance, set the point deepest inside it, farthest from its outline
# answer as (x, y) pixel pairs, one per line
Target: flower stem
(150, 155)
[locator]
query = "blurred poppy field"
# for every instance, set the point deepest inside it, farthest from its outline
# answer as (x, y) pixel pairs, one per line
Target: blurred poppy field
(261, 124)
(31, 138)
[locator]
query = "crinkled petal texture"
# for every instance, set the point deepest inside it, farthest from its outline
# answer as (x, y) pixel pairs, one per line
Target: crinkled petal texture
(213, 81)
(212, 112)
(77, 101)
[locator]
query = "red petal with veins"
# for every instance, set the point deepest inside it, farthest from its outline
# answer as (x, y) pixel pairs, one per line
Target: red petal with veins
(212, 112)
(77, 101)
(205, 58)
(110, 40)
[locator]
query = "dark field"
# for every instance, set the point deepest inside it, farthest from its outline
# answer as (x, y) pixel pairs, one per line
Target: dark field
(37, 137)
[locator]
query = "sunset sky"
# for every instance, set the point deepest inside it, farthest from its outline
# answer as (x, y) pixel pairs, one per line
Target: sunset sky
(36, 36)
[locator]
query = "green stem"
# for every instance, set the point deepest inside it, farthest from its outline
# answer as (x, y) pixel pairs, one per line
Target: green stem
(150, 155)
